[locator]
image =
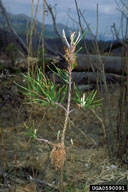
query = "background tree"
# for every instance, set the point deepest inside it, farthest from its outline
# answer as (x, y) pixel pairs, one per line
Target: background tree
(17, 38)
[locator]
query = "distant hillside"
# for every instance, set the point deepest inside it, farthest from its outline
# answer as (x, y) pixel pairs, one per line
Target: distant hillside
(21, 23)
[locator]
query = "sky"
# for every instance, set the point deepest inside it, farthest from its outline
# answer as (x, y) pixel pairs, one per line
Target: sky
(65, 11)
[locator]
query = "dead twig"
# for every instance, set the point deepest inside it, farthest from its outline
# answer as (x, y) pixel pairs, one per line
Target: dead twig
(43, 182)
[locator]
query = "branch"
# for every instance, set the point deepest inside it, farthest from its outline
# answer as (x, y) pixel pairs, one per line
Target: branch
(43, 182)
(18, 39)
(54, 22)
(116, 32)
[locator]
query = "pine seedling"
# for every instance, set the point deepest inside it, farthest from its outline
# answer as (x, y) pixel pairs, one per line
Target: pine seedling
(43, 91)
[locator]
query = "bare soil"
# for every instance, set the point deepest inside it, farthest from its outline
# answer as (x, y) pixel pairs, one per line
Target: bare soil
(23, 160)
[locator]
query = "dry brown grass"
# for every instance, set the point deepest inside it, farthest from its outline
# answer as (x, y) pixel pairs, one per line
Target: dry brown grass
(87, 161)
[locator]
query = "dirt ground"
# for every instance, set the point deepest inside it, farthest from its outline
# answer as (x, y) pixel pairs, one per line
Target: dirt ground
(24, 162)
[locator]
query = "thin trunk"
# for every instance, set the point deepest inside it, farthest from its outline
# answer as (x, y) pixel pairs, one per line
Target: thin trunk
(18, 39)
